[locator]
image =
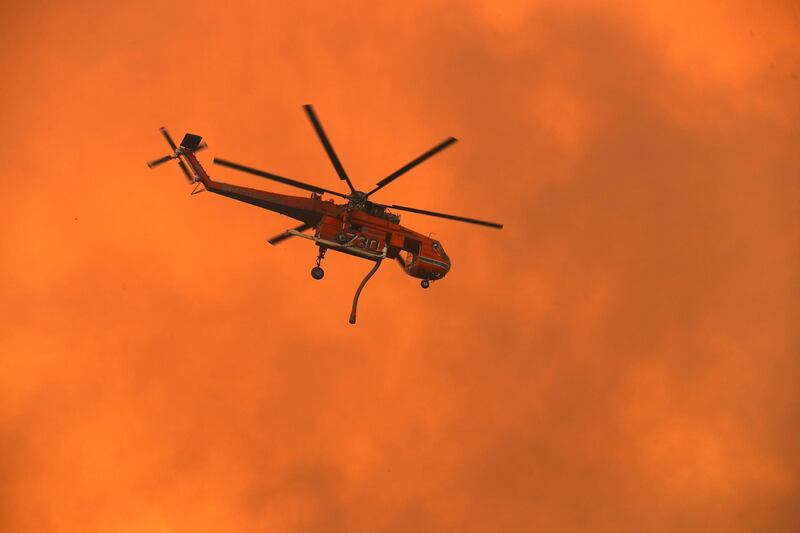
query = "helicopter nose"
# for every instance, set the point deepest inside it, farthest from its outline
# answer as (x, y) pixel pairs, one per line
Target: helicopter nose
(435, 268)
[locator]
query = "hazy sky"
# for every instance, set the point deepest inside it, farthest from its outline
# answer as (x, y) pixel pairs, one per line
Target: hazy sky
(622, 357)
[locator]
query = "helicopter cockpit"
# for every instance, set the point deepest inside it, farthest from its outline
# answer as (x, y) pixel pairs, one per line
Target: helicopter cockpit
(439, 249)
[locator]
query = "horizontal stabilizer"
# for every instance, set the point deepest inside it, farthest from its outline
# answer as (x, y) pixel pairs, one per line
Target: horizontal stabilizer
(191, 141)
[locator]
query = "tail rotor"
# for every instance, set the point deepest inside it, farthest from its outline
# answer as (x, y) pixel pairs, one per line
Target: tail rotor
(190, 143)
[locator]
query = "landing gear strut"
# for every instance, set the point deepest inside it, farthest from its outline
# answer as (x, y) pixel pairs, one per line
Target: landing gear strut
(425, 283)
(317, 272)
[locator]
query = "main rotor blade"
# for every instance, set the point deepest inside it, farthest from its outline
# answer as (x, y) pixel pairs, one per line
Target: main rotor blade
(451, 217)
(285, 235)
(327, 145)
(156, 162)
(399, 172)
(275, 177)
(165, 133)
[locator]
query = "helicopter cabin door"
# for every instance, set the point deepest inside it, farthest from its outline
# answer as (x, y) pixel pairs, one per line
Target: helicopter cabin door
(412, 246)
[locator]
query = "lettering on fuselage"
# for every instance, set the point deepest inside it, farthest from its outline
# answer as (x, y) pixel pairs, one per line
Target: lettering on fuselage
(362, 242)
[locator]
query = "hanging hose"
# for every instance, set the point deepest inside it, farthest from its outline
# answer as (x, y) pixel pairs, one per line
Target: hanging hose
(360, 287)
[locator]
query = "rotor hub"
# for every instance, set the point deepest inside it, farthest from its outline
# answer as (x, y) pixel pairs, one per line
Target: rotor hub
(357, 200)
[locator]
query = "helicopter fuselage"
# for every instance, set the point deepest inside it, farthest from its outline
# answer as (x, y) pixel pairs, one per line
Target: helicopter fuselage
(343, 227)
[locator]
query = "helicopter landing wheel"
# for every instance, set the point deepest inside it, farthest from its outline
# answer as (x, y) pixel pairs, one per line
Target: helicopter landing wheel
(425, 283)
(317, 273)
(341, 238)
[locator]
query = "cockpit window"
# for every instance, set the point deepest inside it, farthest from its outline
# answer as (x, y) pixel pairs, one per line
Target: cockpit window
(437, 247)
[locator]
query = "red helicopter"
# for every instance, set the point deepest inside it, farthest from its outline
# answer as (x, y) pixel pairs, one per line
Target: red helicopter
(359, 227)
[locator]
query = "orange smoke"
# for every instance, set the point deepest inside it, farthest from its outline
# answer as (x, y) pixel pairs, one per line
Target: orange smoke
(621, 357)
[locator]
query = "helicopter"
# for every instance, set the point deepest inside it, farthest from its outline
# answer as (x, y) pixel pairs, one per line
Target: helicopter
(359, 227)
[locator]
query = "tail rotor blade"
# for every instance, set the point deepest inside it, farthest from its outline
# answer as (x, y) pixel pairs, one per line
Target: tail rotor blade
(156, 162)
(277, 239)
(326, 143)
(165, 133)
(185, 171)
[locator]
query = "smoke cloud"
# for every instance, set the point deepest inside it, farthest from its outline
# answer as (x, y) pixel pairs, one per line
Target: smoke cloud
(622, 356)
